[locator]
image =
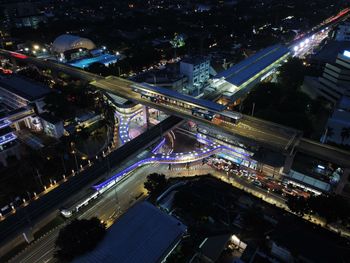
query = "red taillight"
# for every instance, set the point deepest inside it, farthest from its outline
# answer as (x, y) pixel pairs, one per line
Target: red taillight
(18, 55)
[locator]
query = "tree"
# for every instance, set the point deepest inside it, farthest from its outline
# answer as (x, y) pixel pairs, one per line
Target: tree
(292, 73)
(56, 104)
(332, 207)
(298, 205)
(98, 68)
(155, 183)
(345, 134)
(79, 237)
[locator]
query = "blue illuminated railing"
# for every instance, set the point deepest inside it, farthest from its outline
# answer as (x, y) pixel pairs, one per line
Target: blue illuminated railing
(7, 138)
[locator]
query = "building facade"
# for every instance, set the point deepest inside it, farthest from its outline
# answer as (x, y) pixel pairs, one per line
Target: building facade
(8, 141)
(334, 82)
(196, 69)
(343, 32)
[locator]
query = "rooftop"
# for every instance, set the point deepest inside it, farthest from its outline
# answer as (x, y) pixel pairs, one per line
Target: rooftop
(195, 60)
(50, 118)
(212, 247)
(248, 68)
(143, 234)
(23, 87)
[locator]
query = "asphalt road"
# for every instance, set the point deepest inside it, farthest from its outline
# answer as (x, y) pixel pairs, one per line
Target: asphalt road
(108, 208)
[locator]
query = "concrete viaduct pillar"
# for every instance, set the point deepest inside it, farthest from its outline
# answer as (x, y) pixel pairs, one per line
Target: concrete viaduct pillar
(145, 116)
(288, 163)
(343, 181)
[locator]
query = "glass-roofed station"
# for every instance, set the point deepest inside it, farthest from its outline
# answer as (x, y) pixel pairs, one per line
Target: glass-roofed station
(238, 80)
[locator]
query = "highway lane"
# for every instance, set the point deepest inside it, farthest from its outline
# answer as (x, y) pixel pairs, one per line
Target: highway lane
(325, 152)
(108, 208)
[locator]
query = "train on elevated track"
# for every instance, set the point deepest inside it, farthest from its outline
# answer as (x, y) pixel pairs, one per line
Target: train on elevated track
(204, 109)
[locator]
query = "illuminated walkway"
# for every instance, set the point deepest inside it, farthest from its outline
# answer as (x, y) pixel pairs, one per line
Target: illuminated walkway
(174, 158)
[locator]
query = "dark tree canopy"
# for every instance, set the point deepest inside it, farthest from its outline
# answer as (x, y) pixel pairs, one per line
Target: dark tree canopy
(79, 237)
(155, 183)
(332, 208)
(292, 73)
(298, 205)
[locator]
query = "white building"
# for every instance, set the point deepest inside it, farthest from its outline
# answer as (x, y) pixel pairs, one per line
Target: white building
(67, 42)
(196, 69)
(343, 32)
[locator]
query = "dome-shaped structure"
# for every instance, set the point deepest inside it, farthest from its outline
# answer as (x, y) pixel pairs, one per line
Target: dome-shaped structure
(68, 42)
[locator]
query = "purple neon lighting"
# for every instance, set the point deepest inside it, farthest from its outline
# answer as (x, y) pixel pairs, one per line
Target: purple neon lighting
(229, 148)
(162, 142)
(174, 158)
(4, 123)
(125, 126)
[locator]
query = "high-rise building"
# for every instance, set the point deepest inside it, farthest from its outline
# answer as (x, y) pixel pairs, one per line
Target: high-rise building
(334, 82)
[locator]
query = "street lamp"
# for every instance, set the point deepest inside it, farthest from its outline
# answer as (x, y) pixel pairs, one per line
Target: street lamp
(75, 158)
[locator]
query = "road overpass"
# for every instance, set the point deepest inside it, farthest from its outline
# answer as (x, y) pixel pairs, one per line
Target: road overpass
(249, 130)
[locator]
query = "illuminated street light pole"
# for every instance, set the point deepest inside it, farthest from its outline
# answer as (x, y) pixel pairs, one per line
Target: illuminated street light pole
(76, 161)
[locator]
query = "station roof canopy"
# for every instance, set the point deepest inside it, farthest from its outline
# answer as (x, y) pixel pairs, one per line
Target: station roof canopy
(248, 68)
(174, 94)
(143, 234)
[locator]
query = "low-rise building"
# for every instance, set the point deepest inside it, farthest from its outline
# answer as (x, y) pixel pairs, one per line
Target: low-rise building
(143, 234)
(52, 126)
(8, 141)
(18, 92)
(196, 69)
(23, 99)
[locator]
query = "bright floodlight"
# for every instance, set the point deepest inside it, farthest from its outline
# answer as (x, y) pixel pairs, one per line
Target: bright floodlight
(296, 48)
(307, 41)
(346, 53)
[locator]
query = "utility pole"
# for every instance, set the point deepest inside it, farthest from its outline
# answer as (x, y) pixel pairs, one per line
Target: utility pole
(253, 109)
(39, 176)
